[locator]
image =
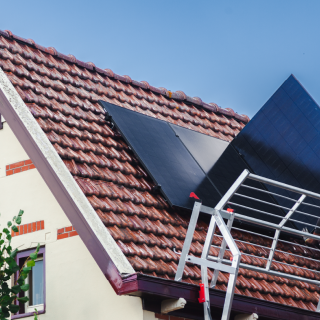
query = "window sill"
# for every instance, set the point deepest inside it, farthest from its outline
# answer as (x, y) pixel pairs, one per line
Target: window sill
(24, 315)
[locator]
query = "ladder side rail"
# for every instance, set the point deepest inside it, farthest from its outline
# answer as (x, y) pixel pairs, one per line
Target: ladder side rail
(219, 206)
(231, 288)
(227, 235)
(221, 253)
(188, 240)
(217, 220)
(232, 190)
(204, 268)
(235, 264)
(206, 303)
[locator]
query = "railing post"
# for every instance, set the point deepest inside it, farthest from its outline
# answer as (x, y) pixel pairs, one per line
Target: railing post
(204, 269)
(236, 185)
(272, 249)
(277, 233)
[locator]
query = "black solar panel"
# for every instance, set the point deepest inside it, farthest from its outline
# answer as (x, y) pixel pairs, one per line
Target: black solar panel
(282, 142)
(225, 172)
(171, 165)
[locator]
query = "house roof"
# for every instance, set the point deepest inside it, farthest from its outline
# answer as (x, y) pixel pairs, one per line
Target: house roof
(62, 94)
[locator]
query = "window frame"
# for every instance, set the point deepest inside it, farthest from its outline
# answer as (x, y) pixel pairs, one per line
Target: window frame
(22, 255)
(27, 306)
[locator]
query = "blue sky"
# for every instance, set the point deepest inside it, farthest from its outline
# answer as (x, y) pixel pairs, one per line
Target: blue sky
(233, 53)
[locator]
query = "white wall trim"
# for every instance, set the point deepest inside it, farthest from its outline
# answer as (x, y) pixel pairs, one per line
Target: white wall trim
(22, 122)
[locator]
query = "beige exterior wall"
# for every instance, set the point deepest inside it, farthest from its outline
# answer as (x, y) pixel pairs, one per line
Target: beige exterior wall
(75, 286)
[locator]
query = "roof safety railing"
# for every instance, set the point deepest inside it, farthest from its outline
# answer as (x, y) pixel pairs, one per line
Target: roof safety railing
(229, 245)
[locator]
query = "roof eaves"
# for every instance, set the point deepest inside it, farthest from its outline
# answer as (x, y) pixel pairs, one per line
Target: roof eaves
(81, 214)
(154, 289)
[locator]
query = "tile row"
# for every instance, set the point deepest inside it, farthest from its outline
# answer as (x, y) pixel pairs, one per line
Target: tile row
(40, 89)
(52, 88)
(41, 60)
(58, 106)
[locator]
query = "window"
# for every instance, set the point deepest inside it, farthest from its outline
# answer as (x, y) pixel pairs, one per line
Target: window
(36, 281)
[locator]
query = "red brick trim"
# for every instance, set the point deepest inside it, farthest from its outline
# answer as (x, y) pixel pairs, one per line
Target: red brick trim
(66, 232)
(19, 167)
(167, 317)
(29, 228)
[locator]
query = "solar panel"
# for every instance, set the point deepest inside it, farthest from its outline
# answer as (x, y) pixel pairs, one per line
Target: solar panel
(282, 142)
(225, 172)
(182, 161)
(160, 148)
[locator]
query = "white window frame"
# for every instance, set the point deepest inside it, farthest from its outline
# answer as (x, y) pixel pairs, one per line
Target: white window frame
(28, 308)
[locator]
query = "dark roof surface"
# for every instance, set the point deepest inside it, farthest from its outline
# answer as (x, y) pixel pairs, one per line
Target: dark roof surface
(62, 93)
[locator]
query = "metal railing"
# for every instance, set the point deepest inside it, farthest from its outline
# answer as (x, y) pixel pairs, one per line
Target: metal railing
(283, 220)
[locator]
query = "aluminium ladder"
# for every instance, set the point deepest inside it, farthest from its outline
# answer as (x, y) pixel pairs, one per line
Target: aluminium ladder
(215, 221)
(218, 214)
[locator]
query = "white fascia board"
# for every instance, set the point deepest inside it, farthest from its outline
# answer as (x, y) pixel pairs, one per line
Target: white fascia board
(60, 181)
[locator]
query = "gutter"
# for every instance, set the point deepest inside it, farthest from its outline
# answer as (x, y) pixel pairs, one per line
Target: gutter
(153, 290)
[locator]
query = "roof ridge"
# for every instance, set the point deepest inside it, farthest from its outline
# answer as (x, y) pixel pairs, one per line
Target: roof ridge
(177, 95)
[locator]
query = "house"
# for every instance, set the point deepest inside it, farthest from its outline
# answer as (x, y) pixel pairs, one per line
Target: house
(106, 235)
